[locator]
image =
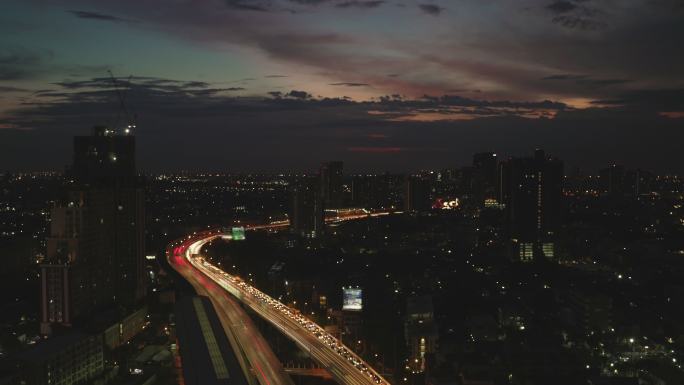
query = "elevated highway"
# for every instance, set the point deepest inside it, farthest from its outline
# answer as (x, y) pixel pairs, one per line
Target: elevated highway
(225, 289)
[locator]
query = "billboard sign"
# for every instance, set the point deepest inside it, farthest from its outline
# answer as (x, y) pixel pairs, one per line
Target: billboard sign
(352, 299)
(238, 233)
(445, 204)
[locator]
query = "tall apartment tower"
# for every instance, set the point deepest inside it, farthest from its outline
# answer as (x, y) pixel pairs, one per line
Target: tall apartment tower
(613, 180)
(332, 193)
(307, 216)
(485, 173)
(416, 194)
(531, 189)
(96, 243)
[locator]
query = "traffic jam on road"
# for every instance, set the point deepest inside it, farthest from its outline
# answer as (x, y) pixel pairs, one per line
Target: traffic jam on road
(313, 328)
(189, 249)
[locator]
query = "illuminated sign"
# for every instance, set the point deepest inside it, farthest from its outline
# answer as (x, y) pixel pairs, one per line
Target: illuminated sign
(493, 203)
(352, 299)
(445, 204)
(238, 233)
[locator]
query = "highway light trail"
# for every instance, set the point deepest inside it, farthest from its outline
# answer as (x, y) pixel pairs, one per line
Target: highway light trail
(343, 364)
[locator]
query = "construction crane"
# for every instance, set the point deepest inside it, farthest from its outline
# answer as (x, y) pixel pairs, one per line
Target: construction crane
(122, 110)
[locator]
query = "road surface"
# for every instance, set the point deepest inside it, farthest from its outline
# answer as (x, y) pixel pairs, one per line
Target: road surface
(245, 339)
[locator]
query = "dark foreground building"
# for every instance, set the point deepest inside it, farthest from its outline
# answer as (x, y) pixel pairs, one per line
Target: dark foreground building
(306, 208)
(96, 243)
(330, 175)
(71, 358)
(416, 194)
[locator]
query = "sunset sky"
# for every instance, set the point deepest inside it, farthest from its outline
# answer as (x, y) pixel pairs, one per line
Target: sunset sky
(266, 85)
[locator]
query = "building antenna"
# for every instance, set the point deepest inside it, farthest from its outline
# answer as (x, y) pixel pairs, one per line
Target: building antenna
(121, 96)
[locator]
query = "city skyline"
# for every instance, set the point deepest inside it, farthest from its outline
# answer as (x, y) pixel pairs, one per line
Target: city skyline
(195, 278)
(595, 82)
(342, 192)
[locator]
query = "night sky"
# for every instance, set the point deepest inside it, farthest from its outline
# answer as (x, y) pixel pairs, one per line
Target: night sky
(398, 85)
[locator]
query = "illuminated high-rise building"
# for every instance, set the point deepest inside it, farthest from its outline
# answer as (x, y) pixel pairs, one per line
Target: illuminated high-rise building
(531, 189)
(96, 243)
(104, 159)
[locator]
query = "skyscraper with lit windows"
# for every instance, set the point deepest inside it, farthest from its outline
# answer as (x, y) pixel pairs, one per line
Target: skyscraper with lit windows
(531, 189)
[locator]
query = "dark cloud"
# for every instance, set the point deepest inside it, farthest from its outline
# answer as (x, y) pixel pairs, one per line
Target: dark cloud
(12, 89)
(586, 80)
(297, 130)
(299, 94)
(105, 86)
(212, 91)
(579, 22)
(388, 98)
(79, 71)
(564, 77)
(309, 2)
(577, 14)
(377, 149)
(196, 84)
(192, 98)
(561, 6)
(97, 82)
(431, 9)
(453, 100)
(350, 84)
(98, 16)
(167, 85)
(603, 82)
(671, 99)
(275, 76)
(461, 91)
(249, 5)
(360, 4)
(18, 63)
